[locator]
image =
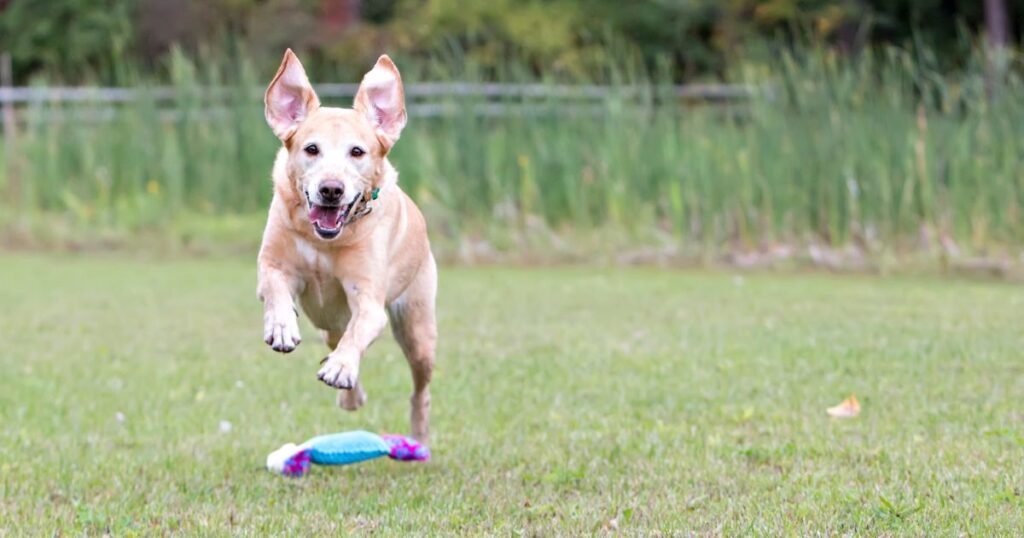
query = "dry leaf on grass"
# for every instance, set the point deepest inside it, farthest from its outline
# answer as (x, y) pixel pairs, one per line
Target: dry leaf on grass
(849, 408)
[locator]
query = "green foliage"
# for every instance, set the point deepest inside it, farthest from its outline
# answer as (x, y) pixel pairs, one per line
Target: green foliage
(75, 38)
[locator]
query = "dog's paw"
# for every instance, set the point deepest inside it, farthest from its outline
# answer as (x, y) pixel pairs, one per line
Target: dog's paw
(352, 399)
(340, 370)
(281, 330)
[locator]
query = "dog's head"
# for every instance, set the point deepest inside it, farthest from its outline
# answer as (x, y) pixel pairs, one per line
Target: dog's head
(336, 156)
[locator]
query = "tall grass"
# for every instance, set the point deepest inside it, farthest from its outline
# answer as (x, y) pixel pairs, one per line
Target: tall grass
(876, 149)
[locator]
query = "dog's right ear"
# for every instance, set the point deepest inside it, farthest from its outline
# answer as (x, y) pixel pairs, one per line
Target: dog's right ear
(290, 97)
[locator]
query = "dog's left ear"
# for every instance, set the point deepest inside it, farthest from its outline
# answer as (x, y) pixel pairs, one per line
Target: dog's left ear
(382, 99)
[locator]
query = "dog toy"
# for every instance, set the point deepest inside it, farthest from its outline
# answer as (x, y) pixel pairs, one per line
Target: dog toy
(343, 449)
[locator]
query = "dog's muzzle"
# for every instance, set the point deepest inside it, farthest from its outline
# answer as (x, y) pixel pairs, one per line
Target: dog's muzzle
(328, 216)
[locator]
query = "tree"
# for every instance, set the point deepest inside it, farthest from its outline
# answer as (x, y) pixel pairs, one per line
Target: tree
(340, 14)
(997, 24)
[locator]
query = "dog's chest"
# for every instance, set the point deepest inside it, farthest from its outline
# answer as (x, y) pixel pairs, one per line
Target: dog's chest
(323, 297)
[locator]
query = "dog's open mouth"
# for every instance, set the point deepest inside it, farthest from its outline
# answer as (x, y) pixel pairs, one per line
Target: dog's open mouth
(329, 220)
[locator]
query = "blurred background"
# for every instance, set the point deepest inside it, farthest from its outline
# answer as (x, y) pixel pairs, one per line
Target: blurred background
(847, 134)
(550, 144)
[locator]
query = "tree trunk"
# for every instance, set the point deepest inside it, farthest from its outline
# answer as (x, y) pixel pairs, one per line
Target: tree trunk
(341, 14)
(851, 32)
(997, 24)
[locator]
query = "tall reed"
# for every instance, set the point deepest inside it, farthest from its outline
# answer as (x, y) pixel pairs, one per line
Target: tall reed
(874, 149)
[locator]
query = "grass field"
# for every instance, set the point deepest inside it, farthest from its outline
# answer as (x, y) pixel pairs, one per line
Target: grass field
(566, 401)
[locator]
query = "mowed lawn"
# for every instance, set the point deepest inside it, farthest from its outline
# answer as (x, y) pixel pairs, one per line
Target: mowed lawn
(566, 401)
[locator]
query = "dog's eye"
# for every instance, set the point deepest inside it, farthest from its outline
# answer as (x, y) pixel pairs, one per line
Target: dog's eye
(357, 152)
(312, 149)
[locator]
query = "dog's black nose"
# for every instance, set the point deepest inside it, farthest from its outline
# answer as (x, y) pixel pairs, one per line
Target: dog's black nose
(331, 191)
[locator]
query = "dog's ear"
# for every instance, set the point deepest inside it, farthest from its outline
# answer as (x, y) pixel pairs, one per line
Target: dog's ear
(289, 98)
(382, 99)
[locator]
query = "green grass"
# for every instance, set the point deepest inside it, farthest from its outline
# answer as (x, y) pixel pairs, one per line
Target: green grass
(871, 150)
(564, 399)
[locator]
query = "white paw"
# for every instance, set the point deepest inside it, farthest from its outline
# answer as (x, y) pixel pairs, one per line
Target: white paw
(340, 370)
(353, 398)
(281, 330)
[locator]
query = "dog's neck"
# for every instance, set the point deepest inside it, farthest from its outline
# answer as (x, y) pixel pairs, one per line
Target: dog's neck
(373, 193)
(388, 178)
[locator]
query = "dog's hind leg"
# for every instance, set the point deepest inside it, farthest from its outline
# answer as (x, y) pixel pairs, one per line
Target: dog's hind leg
(414, 325)
(348, 399)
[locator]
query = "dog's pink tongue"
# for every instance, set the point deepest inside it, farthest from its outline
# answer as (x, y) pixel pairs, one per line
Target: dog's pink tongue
(325, 217)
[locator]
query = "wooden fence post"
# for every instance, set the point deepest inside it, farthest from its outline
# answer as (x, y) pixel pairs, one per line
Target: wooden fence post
(9, 126)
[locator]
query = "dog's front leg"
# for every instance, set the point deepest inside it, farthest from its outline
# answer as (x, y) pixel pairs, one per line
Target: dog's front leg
(277, 290)
(341, 368)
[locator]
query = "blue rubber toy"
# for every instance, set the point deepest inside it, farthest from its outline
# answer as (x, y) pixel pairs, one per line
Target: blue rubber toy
(343, 449)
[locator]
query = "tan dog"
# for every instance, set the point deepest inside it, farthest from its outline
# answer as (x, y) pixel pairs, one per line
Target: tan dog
(342, 237)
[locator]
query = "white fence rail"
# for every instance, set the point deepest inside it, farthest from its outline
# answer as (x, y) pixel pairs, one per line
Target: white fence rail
(427, 99)
(424, 91)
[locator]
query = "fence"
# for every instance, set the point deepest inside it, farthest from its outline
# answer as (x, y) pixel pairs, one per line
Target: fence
(105, 148)
(495, 96)
(425, 90)
(491, 99)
